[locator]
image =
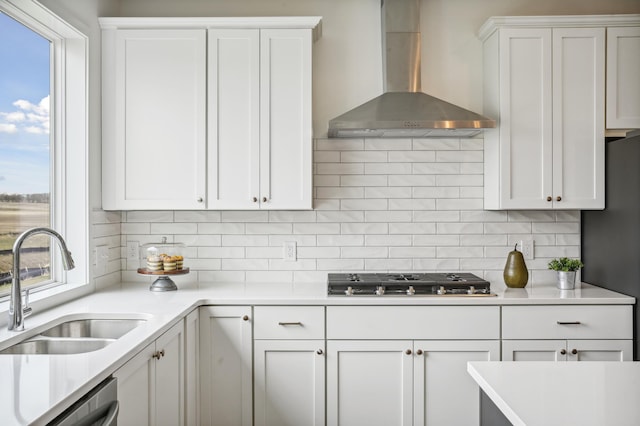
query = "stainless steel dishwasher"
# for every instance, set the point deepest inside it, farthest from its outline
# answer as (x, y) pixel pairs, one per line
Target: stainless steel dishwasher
(97, 408)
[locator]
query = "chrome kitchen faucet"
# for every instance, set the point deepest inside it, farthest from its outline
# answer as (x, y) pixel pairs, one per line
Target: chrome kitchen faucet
(17, 312)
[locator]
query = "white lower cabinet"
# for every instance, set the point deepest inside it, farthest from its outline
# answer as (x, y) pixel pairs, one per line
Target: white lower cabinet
(409, 381)
(226, 370)
(567, 333)
(151, 384)
(567, 350)
(192, 368)
(289, 380)
(289, 366)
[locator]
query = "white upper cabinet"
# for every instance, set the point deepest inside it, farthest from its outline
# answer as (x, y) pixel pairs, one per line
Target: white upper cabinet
(546, 88)
(154, 103)
(207, 113)
(623, 81)
(260, 137)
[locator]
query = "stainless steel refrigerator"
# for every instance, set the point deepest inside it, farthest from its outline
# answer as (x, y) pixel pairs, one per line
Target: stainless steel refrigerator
(611, 237)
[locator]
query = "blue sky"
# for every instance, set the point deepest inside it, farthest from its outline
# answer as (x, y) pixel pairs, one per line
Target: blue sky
(24, 109)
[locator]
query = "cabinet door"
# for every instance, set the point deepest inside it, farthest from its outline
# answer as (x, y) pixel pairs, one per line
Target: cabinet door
(136, 389)
(599, 350)
(623, 84)
(226, 366)
(444, 393)
(289, 383)
(369, 382)
(525, 118)
(154, 119)
(285, 119)
(169, 377)
(534, 350)
(234, 119)
(191, 368)
(578, 118)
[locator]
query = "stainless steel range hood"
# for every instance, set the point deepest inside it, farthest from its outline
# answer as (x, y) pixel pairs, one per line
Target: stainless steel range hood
(404, 110)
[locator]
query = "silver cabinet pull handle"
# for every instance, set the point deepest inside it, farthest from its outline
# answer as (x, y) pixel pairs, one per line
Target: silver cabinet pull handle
(298, 323)
(568, 322)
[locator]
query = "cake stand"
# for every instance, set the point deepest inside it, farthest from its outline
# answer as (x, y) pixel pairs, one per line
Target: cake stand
(163, 282)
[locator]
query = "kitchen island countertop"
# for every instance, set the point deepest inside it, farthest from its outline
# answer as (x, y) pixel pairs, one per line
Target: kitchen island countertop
(34, 389)
(541, 393)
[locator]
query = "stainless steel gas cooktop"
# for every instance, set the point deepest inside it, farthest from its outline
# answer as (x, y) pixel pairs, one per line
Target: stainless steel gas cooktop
(407, 284)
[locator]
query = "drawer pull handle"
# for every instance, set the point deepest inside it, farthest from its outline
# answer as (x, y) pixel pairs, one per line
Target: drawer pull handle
(419, 352)
(408, 352)
(297, 323)
(574, 351)
(563, 352)
(568, 322)
(319, 352)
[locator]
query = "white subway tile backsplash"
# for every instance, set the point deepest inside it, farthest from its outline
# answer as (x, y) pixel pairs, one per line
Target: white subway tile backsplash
(364, 157)
(363, 180)
(436, 144)
(387, 144)
(412, 156)
(364, 228)
(364, 252)
(379, 205)
(340, 192)
(388, 240)
(269, 228)
(387, 169)
(412, 252)
(245, 240)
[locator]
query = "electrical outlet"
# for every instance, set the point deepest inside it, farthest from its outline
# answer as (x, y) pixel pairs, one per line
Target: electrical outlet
(527, 249)
(101, 254)
(290, 251)
(133, 250)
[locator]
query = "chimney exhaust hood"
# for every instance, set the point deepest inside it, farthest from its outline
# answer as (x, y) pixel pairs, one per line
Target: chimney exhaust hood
(404, 111)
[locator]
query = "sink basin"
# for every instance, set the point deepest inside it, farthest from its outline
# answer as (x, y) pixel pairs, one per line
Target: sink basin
(44, 346)
(74, 336)
(93, 328)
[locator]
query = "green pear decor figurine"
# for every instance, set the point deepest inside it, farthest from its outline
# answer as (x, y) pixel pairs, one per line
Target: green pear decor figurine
(515, 274)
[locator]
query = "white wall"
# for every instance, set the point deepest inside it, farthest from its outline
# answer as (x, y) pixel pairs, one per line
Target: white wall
(347, 59)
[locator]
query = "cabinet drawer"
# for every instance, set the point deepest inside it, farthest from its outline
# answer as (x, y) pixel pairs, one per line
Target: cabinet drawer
(567, 322)
(413, 322)
(288, 322)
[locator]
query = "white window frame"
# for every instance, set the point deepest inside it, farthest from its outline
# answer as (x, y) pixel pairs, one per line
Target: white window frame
(69, 155)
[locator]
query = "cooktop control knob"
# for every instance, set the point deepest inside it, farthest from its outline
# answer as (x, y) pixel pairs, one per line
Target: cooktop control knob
(411, 291)
(442, 290)
(472, 290)
(380, 290)
(349, 291)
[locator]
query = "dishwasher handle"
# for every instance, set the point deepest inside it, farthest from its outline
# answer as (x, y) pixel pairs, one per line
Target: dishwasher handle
(111, 418)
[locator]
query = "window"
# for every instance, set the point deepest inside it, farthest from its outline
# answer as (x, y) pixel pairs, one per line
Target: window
(24, 149)
(43, 142)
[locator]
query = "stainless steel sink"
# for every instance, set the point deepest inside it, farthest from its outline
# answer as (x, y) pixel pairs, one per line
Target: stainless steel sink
(45, 346)
(93, 328)
(75, 336)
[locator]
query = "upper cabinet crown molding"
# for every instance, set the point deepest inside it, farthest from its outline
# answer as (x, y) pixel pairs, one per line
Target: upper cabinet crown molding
(567, 21)
(263, 22)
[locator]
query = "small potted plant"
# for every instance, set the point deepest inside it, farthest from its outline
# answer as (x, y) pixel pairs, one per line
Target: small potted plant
(566, 269)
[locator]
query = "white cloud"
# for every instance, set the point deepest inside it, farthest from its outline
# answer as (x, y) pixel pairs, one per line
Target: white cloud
(8, 128)
(30, 118)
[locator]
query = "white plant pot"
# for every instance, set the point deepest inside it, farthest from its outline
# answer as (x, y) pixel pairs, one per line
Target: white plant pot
(566, 280)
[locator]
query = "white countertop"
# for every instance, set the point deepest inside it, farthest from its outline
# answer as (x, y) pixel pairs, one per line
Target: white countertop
(36, 388)
(539, 393)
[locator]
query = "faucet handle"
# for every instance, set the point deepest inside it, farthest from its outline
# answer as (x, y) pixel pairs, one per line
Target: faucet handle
(26, 309)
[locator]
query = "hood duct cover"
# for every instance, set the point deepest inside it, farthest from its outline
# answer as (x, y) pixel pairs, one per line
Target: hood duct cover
(403, 110)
